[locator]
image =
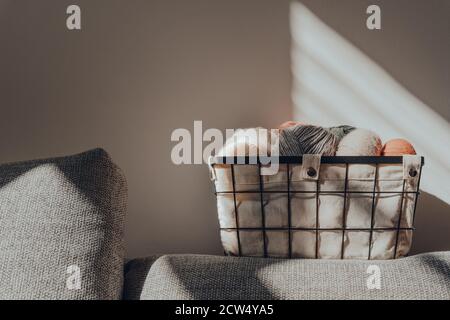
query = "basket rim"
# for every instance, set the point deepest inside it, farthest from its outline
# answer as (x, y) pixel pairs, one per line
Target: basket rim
(237, 160)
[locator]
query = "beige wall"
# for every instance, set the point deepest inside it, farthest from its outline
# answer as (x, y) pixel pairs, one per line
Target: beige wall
(413, 45)
(139, 69)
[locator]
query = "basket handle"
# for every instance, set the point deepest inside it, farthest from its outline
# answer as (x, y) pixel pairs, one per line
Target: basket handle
(310, 166)
(411, 168)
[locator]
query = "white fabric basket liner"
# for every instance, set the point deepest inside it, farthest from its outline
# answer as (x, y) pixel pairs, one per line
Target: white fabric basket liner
(346, 211)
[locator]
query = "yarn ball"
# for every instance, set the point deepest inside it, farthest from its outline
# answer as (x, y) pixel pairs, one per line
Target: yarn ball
(245, 143)
(397, 147)
(341, 131)
(360, 142)
(288, 124)
(307, 139)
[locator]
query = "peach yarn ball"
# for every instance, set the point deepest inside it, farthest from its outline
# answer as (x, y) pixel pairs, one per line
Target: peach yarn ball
(288, 124)
(397, 147)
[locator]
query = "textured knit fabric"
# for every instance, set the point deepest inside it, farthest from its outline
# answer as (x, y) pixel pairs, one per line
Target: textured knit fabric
(61, 224)
(425, 276)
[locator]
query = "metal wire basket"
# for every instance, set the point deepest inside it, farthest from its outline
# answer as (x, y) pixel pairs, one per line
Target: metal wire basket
(341, 207)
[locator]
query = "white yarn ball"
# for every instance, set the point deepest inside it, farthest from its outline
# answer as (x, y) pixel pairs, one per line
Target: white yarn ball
(241, 144)
(360, 142)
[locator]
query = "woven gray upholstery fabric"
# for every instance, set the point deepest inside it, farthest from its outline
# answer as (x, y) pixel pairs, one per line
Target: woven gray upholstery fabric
(135, 274)
(57, 217)
(425, 276)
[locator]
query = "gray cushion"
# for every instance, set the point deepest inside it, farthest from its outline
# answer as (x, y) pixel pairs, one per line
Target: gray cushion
(425, 276)
(135, 274)
(58, 213)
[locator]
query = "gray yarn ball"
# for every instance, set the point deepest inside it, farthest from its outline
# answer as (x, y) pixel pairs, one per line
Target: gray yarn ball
(306, 139)
(340, 131)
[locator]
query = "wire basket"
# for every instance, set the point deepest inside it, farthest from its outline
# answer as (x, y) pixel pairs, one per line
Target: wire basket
(340, 207)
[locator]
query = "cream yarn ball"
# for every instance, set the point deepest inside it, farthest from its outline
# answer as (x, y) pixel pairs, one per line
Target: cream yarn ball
(360, 142)
(242, 144)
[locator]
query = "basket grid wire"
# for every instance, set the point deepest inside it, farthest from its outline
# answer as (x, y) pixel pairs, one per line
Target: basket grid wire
(317, 192)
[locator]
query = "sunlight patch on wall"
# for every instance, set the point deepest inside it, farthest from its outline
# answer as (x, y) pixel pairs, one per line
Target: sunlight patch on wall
(335, 83)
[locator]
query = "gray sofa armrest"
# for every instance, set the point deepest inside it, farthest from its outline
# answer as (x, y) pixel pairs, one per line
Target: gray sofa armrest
(424, 276)
(61, 228)
(136, 272)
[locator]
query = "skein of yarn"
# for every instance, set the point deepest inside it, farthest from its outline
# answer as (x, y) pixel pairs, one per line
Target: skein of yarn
(307, 139)
(242, 144)
(360, 142)
(397, 147)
